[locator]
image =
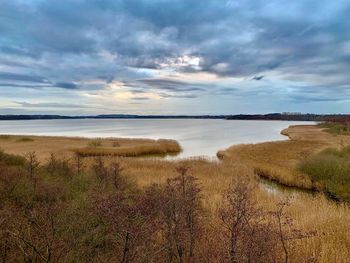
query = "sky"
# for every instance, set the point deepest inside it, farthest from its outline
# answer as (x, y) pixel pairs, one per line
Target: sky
(85, 57)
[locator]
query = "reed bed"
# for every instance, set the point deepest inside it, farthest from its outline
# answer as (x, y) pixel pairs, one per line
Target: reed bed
(279, 161)
(311, 212)
(159, 147)
(66, 146)
(331, 170)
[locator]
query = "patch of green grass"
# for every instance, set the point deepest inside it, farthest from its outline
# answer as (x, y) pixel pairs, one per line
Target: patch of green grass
(330, 169)
(336, 128)
(25, 139)
(5, 137)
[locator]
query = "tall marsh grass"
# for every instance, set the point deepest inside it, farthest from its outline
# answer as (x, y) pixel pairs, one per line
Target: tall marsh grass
(25, 139)
(336, 128)
(10, 159)
(331, 169)
(159, 147)
(95, 143)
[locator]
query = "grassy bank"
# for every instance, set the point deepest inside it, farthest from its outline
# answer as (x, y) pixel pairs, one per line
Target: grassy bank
(279, 161)
(337, 128)
(331, 170)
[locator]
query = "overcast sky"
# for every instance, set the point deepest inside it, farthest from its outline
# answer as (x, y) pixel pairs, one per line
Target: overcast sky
(174, 56)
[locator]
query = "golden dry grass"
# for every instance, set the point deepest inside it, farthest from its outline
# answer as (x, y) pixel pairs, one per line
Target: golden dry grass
(278, 160)
(310, 212)
(159, 147)
(66, 146)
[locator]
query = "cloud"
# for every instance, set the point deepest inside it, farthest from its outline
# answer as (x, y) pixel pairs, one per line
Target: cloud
(7, 76)
(66, 85)
(16, 80)
(48, 105)
(258, 77)
(172, 85)
(186, 96)
(140, 98)
(153, 45)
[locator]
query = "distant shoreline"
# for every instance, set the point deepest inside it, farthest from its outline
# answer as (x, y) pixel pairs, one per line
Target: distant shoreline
(270, 116)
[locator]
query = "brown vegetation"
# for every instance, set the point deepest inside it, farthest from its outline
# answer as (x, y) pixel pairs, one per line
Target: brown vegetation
(278, 161)
(331, 170)
(122, 209)
(89, 217)
(66, 146)
(159, 147)
(338, 126)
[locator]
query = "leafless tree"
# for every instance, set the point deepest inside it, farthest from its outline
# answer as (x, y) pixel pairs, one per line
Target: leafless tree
(34, 235)
(99, 168)
(51, 163)
(79, 163)
(181, 212)
(287, 232)
(115, 176)
(32, 163)
(131, 223)
(249, 235)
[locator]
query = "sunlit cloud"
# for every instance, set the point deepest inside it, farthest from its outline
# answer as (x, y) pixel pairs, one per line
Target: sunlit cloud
(166, 56)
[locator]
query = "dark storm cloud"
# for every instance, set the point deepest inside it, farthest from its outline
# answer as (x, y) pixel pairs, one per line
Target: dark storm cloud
(20, 81)
(144, 33)
(66, 42)
(6, 76)
(66, 85)
(258, 77)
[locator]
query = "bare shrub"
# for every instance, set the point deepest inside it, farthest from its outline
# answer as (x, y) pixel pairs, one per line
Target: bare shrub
(52, 164)
(9, 179)
(35, 234)
(287, 232)
(59, 166)
(99, 168)
(252, 234)
(32, 164)
(248, 235)
(180, 215)
(115, 176)
(130, 226)
(78, 163)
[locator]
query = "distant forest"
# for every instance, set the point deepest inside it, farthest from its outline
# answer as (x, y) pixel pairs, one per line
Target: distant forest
(270, 116)
(291, 117)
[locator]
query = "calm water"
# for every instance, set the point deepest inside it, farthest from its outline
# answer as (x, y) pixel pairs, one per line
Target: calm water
(197, 137)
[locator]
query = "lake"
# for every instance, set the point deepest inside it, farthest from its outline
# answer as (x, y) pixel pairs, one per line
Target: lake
(197, 137)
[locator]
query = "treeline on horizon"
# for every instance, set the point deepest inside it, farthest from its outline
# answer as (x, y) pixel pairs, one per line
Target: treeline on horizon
(269, 116)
